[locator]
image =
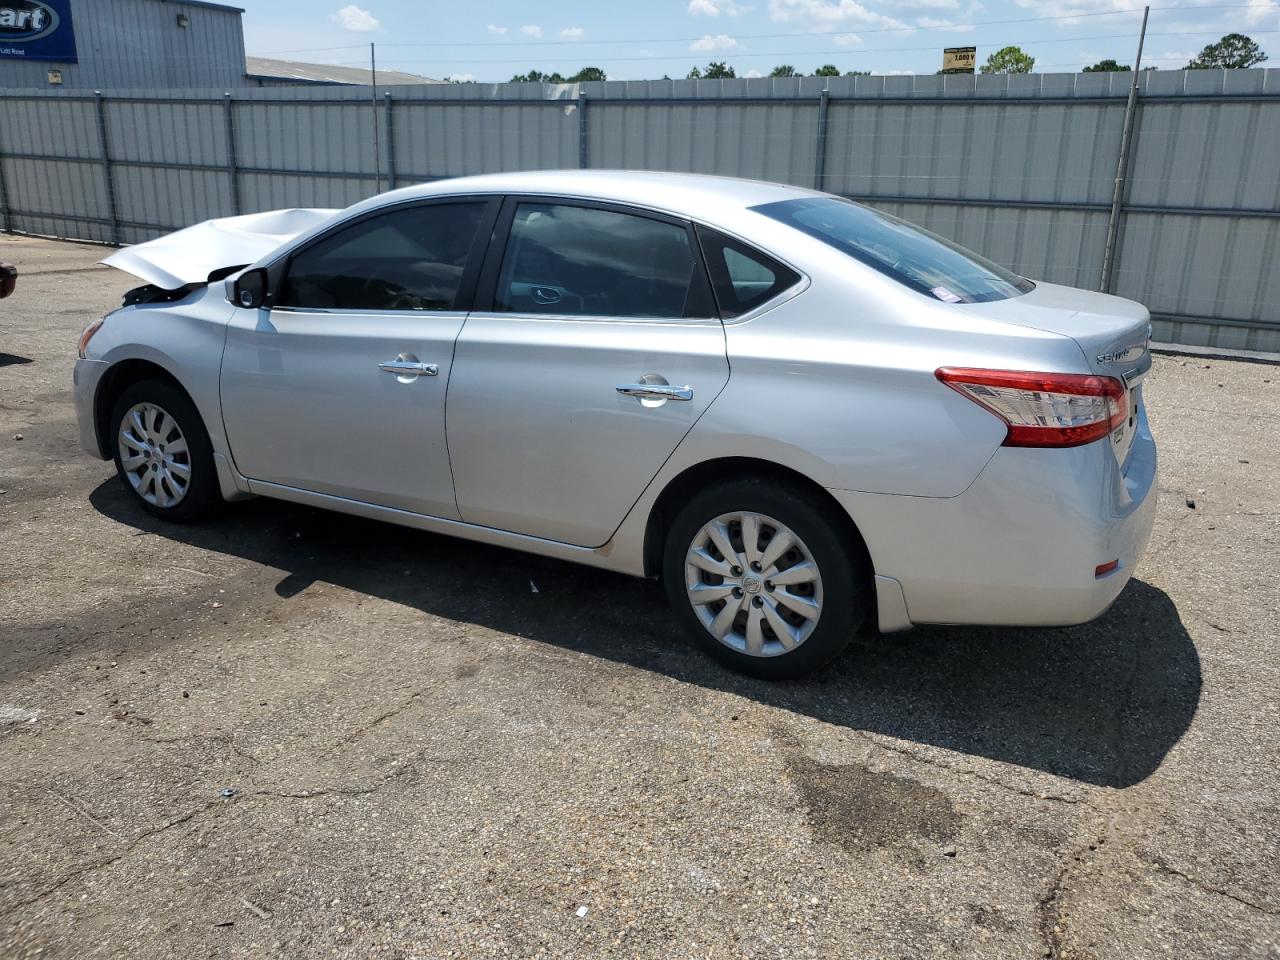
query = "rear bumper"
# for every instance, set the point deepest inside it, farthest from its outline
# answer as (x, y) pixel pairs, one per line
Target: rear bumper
(85, 379)
(1019, 547)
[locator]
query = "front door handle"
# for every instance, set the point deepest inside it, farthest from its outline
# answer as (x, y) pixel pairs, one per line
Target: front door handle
(655, 391)
(409, 368)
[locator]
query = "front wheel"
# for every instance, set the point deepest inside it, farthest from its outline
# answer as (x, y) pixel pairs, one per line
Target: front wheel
(163, 453)
(759, 574)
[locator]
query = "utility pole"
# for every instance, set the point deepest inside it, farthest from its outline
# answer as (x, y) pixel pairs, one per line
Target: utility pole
(373, 102)
(1126, 137)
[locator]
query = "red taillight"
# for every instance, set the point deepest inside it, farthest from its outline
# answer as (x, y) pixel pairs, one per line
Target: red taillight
(1044, 409)
(1102, 569)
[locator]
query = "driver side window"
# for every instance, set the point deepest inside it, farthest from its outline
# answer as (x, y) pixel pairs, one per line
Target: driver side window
(407, 259)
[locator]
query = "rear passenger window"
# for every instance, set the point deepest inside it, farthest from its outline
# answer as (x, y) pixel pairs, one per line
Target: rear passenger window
(408, 259)
(742, 276)
(584, 261)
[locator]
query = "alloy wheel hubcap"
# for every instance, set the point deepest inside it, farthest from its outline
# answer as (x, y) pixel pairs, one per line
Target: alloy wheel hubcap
(753, 584)
(154, 455)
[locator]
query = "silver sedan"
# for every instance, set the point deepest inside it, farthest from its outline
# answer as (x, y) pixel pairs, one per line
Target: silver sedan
(799, 412)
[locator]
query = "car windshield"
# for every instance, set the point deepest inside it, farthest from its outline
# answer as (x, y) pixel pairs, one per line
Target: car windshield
(917, 258)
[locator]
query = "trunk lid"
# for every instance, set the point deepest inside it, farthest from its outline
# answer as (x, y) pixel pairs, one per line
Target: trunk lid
(1113, 333)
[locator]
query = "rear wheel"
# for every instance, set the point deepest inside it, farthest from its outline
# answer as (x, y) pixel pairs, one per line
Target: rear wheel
(758, 573)
(162, 451)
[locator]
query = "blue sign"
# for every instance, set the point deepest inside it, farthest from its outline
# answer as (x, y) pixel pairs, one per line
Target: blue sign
(37, 30)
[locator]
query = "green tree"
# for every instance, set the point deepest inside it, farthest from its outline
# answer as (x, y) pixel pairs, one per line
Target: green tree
(587, 74)
(783, 70)
(537, 76)
(718, 70)
(1009, 60)
(694, 74)
(1232, 52)
(857, 73)
(1108, 66)
(827, 70)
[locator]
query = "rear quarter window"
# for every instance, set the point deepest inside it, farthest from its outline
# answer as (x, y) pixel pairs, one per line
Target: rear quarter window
(743, 278)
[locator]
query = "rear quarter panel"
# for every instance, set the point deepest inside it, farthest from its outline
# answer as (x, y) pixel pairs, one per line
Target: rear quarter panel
(838, 382)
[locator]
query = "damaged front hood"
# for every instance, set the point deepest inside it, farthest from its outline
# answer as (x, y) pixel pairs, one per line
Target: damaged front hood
(190, 255)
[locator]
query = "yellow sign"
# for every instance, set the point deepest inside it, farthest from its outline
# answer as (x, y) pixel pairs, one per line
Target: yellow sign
(959, 59)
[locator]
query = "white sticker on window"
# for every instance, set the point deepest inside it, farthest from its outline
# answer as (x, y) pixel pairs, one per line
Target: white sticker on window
(942, 293)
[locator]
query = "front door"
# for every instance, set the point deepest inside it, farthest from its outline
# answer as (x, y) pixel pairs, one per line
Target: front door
(340, 387)
(593, 350)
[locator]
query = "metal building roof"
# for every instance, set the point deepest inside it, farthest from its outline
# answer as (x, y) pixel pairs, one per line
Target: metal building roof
(265, 68)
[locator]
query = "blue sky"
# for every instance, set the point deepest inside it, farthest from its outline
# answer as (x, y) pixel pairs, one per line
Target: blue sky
(489, 40)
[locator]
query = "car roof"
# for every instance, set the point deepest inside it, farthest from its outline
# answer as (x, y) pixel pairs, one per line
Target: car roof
(686, 194)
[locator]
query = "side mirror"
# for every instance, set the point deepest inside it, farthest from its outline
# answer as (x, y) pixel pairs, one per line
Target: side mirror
(8, 279)
(249, 290)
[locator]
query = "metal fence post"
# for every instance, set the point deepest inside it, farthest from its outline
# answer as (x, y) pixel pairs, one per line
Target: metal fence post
(391, 143)
(820, 148)
(104, 142)
(1122, 168)
(584, 153)
(232, 165)
(6, 223)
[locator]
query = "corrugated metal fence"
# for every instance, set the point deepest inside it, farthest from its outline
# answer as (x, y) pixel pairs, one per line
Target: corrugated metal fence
(1021, 168)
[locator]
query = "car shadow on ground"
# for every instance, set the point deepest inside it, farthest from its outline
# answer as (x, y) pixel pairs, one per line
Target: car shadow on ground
(1101, 703)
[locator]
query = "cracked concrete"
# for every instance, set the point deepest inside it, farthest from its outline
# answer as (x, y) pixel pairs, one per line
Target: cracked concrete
(428, 760)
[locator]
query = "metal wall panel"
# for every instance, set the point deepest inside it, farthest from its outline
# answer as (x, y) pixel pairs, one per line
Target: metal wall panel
(163, 197)
(1198, 266)
(135, 44)
(1020, 169)
(447, 141)
(1059, 152)
(63, 128)
(1207, 154)
(302, 136)
(276, 191)
(760, 141)
(167, 133)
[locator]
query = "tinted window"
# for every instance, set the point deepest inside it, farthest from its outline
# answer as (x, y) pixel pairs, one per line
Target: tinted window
(743, 277)
(408, 259)
(583, 261)
(917, 258)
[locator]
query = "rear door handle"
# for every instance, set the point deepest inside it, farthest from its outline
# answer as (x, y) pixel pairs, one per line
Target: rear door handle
(409, 368)
(655, 391)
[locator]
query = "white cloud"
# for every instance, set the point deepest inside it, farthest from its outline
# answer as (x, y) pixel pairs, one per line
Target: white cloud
(713, 8)
(897, 73)
(1258, 11)
(937, 23)
(825, 15)
(721, 42)
(1071, 9)
(356, 20)
(847, 40)
(461, 77)
(572, 33)
(531, 30)
(496, 30)
(753, 74)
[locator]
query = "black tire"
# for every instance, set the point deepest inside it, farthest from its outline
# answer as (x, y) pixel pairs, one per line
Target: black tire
(845, 595)
(202, 494)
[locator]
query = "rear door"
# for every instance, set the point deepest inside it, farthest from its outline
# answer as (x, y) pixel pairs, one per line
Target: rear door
(339, 387)
(593, 349)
